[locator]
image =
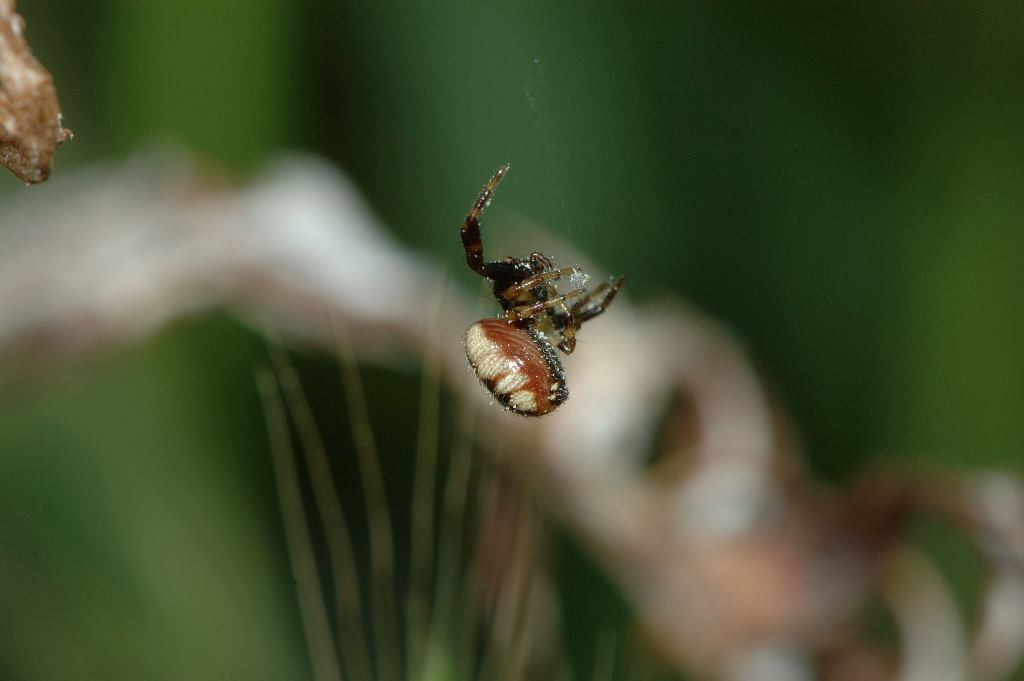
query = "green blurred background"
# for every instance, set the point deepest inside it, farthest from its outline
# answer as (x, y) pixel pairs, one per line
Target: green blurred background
(838, 183)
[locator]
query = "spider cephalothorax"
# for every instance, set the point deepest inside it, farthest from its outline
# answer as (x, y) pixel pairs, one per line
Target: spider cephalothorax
(512, 355)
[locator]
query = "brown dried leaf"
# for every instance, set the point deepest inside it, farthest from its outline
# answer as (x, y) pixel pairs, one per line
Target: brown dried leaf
(31, 130)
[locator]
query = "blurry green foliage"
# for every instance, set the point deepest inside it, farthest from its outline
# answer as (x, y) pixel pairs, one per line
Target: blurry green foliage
(138, 536)
(838, 183)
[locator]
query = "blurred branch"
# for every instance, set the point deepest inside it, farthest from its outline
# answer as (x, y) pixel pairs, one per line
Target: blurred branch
(732, 558)
(933, 637)
(108, 257)
(30, 118)
(994, 505)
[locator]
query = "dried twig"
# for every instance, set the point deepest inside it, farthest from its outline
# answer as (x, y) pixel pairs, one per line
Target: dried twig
(30, 120)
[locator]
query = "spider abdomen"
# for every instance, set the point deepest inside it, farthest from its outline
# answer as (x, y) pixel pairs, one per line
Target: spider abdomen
(517, 364)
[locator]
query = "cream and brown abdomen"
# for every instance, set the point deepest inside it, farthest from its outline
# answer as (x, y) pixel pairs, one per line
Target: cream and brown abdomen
(517, 364)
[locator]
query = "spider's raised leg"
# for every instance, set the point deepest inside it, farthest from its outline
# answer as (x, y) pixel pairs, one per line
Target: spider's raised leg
(541, 260)
(515, 314)
(532, 282)
(471, 241)
(587, 308)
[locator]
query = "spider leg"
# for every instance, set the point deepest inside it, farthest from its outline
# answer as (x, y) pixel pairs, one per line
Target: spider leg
(568, 326)
(471, 241)
(515, 314)
(517, 289)
(589, 298)
(542, 260)
(586, 308)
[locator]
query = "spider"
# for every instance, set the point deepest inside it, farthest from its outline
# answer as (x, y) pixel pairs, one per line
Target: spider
(512, 354)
